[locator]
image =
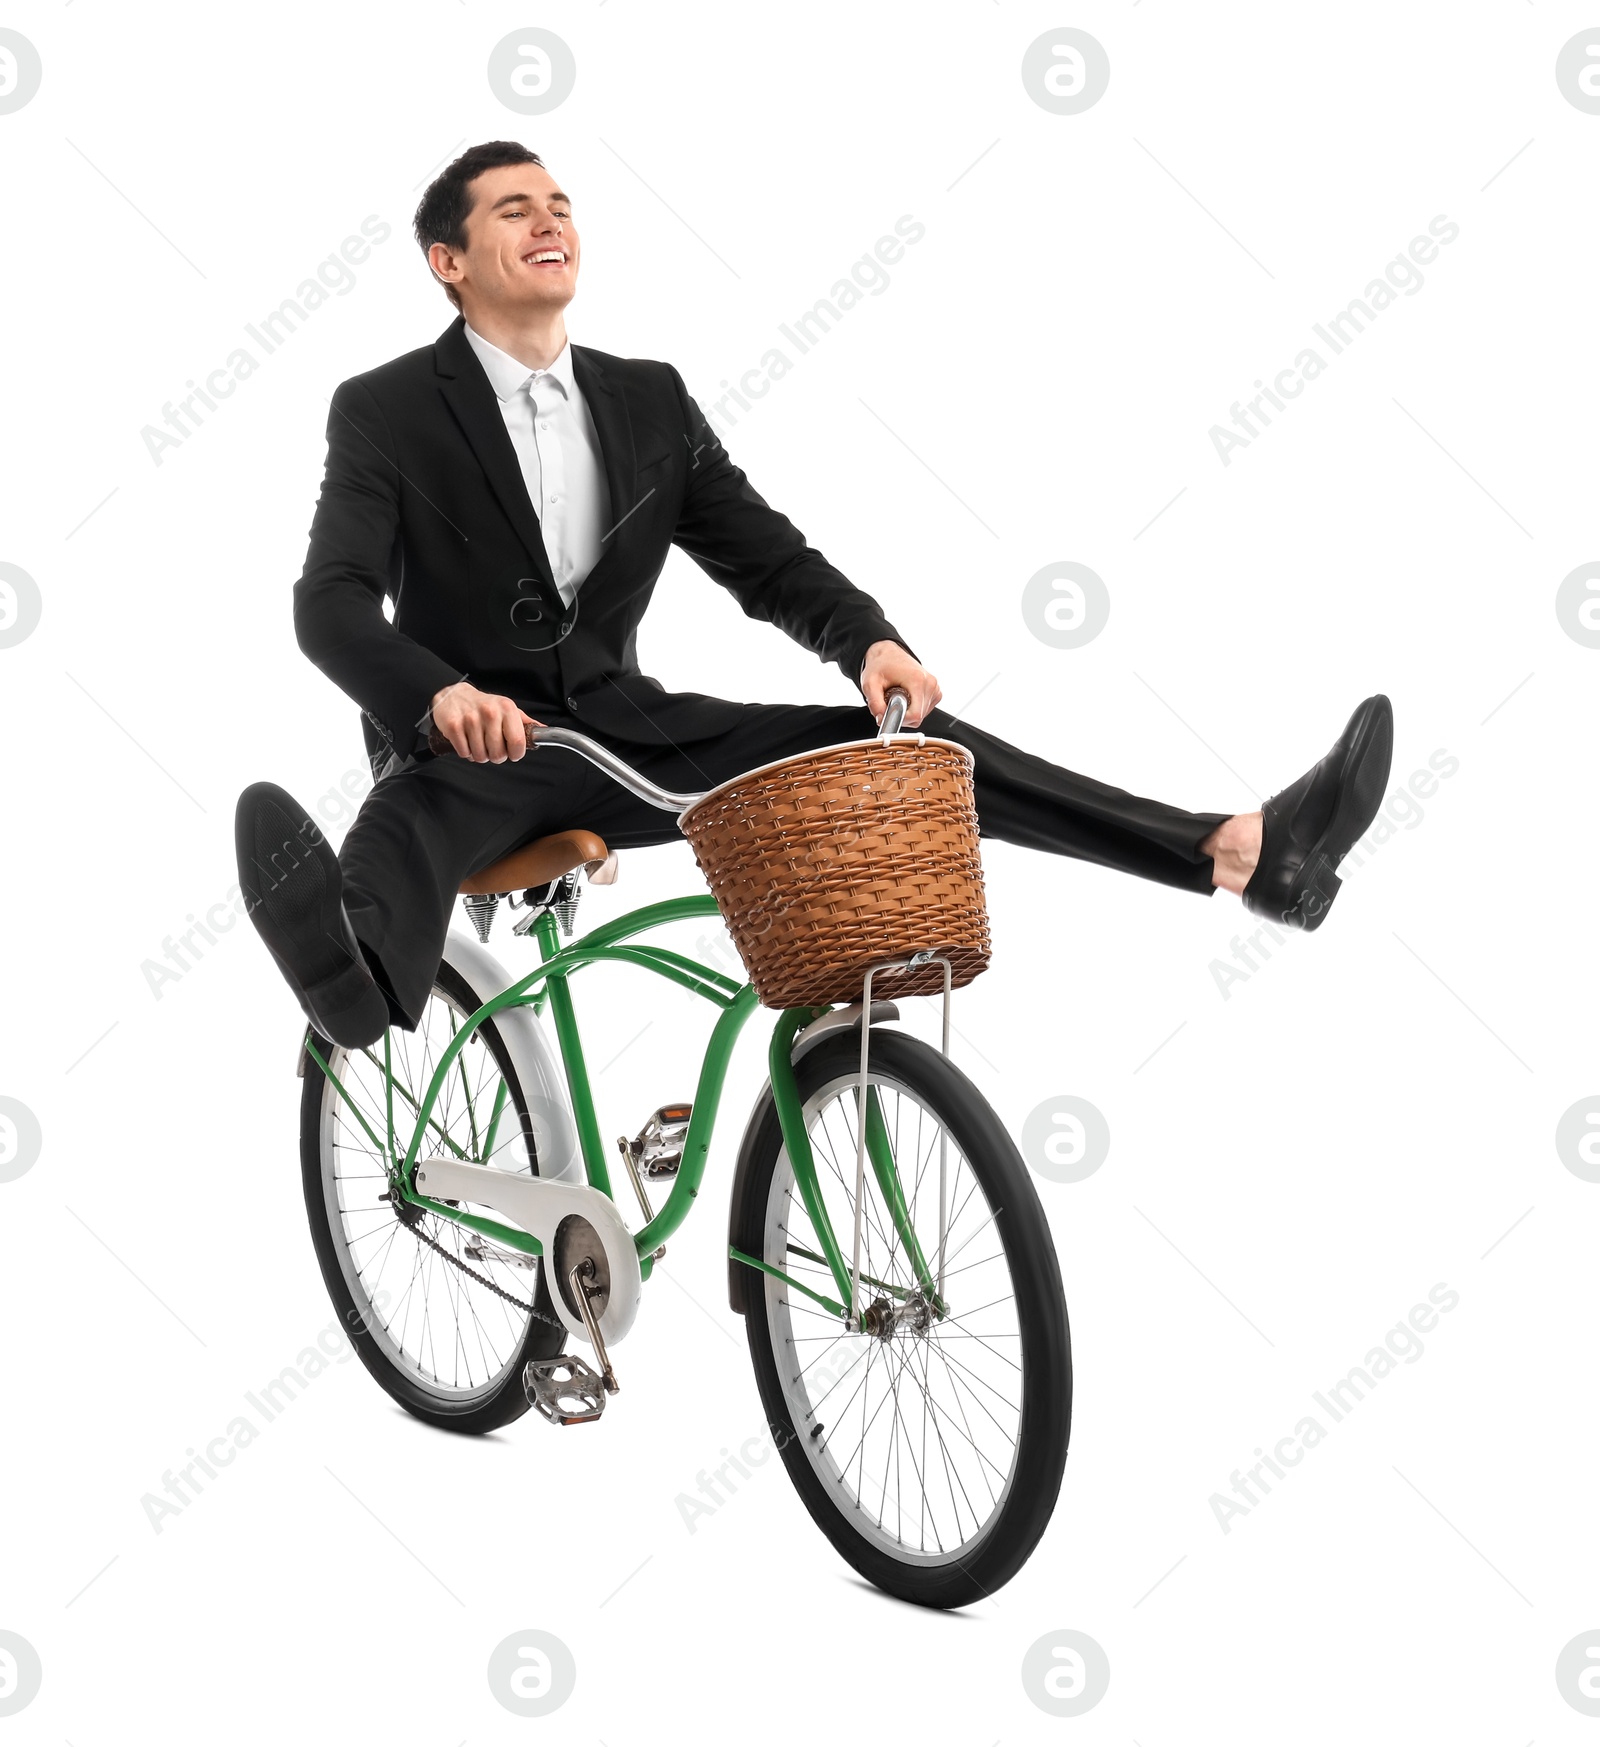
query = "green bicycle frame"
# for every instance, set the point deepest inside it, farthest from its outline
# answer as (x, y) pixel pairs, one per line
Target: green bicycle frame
(614, 942)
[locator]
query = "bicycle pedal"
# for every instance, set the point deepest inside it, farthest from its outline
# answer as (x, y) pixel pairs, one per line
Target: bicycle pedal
(657, 1151)
(565, 1390)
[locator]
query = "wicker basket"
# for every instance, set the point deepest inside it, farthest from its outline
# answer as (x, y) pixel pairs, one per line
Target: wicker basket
(828, 862)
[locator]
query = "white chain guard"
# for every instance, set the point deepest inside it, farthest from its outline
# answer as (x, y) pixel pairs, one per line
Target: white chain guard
(537, 1205)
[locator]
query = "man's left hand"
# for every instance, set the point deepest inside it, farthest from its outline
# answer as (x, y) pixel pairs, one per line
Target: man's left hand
(888, 665)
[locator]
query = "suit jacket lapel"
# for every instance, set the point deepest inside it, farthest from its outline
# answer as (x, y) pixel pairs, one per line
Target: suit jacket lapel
(476, 410)
(608, 407)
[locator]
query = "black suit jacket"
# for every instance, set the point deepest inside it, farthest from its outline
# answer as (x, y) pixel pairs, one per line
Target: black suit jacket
(423, 502)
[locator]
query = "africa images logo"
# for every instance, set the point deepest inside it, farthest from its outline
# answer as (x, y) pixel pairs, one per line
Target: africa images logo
(1403, 276)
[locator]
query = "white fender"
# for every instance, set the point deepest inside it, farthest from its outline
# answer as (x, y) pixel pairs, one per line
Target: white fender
(536, 1065)
(538, 1206)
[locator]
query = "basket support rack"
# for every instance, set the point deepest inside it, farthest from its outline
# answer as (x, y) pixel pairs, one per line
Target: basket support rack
(892, 967)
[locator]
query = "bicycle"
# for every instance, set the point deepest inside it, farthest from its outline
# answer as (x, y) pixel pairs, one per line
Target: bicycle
(901, 1297)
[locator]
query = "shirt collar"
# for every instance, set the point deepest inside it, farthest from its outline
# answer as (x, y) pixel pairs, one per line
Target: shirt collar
(508, 376)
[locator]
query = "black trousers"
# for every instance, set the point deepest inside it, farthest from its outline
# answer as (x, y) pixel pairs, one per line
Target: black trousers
(429, 824)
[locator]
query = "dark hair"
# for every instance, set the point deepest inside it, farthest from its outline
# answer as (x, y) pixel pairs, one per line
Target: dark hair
(442, 215)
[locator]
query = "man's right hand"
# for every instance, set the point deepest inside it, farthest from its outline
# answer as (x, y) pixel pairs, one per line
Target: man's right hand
(480, 726)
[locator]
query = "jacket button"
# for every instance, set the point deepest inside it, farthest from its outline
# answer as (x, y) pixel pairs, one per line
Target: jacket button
(572, 704)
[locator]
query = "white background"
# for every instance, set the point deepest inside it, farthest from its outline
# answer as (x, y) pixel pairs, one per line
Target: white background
(1294, 1167)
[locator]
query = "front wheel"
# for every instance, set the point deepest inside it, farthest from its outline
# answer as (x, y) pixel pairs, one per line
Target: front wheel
(929, 1451)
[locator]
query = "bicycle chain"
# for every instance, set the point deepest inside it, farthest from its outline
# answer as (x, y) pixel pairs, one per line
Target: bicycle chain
(473, 1274)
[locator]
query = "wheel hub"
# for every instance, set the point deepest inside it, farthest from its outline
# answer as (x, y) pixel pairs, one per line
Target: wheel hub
(407, 1212)
(884, 1320)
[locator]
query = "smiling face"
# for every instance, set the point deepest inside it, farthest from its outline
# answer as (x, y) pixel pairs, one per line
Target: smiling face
(521, 254)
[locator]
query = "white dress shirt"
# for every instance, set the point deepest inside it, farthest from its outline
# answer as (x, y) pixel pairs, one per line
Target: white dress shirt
(559, 452)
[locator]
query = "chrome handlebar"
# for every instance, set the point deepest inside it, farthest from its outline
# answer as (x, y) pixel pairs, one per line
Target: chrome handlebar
(597, 755)
(648, 792)
(614, 768)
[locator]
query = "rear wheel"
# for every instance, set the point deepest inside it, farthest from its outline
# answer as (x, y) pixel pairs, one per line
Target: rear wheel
(930, 1452)
(443, 1319)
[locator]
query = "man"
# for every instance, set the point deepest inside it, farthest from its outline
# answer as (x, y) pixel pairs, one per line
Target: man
(515, 497)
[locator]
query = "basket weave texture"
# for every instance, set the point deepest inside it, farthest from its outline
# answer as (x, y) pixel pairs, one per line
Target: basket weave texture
(831, 861)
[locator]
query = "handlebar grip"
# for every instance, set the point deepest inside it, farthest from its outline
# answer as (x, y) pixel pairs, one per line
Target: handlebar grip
(897, 700)
(441, 748)
(602, 759)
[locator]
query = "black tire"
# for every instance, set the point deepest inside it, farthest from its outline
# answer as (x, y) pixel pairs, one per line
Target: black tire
(997, 1549)
(473, 1410)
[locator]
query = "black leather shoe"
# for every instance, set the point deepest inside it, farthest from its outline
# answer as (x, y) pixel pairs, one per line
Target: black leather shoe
(1308, 829)
(289, 876)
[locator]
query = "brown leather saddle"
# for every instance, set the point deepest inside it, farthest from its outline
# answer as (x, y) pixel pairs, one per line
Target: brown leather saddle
(543, 860)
